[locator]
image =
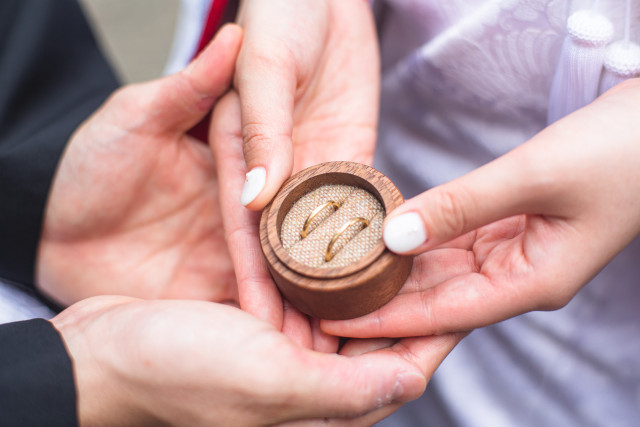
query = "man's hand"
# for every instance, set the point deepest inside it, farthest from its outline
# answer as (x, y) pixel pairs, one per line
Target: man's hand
(199, 363)
(134, 207)
(540, 222)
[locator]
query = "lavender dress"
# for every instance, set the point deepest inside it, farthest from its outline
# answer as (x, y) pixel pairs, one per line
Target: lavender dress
(463, 82)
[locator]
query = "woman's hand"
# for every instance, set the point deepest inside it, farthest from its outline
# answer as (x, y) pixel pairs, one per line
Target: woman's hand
(258, 293)
(540, 222)
(308, 79)
(199, 363)
(308, 83)
(134, 207)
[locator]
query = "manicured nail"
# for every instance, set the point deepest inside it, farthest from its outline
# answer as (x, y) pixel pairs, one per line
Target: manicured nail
(253, 185)
(404, 233)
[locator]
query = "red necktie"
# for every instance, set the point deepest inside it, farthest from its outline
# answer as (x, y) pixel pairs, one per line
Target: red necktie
(214, 21)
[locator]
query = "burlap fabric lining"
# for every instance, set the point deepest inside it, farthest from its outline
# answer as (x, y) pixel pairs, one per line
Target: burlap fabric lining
(352, 245)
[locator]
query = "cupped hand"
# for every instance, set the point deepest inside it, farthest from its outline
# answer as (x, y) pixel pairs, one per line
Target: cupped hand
(540, 222)
(199, 363)
(134, 207)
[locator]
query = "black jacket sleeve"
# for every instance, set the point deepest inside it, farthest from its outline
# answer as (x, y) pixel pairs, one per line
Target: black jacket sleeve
(36, 377)
(52, 77)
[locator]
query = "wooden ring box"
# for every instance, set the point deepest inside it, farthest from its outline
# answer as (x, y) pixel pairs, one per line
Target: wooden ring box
(348, 290)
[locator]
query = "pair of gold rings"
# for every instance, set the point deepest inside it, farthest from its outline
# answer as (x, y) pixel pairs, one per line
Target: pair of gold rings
(355, 220)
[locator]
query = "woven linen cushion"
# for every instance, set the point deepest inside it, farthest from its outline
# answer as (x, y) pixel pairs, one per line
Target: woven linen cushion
(354, 243)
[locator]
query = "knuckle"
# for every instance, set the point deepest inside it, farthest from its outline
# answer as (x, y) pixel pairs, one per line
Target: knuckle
(259, 140)
(451, 215)
(262, 56)
(254, 134)
(255, 141)
(427, 304)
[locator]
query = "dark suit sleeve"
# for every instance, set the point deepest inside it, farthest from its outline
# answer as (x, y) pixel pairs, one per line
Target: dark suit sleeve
(36, 376)
(52, 77)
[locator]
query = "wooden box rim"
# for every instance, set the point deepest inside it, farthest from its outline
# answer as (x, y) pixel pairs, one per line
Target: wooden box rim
(345, 173)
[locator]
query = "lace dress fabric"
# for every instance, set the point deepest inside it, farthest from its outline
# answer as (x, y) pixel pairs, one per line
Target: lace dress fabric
(464, 82)
(471, 78)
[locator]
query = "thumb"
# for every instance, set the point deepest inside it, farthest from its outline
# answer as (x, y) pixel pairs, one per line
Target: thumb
(266, 83)
(347, 387)
(181, 100)
(258, 294)
(343, 387)
(510, 185)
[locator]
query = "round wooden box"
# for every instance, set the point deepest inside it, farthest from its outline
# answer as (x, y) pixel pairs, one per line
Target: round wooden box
(322, 238)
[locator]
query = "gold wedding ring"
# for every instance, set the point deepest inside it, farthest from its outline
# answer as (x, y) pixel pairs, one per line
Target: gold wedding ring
(328, 256)
(314, 213)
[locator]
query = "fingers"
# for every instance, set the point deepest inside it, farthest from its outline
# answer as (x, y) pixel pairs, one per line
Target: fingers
(322, 341)
(295, 325)
(87, 307)
(443, 294)
(176, 103)
(500, 189)
(561, 172)
(349, 387)
(266, 80)
(355, 347)
(257, 293)
(322, 59)
(448, 291)
(425, 352)
(437, 266)
(193, 91)
(453, 306)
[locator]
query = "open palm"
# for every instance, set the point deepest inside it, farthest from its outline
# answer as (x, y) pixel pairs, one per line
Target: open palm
(129, 365)
(134, 207)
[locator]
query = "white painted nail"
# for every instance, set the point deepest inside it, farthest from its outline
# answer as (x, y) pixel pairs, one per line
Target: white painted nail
(253, 185)
(404, 233)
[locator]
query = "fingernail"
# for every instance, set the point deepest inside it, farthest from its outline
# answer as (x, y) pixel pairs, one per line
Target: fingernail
(253, 185)
(409, 385)
(404, 233)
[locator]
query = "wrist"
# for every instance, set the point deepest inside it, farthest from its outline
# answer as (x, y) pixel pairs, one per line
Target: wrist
(104, 390)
